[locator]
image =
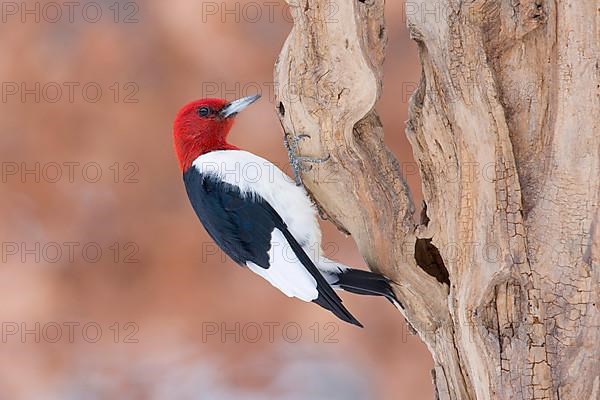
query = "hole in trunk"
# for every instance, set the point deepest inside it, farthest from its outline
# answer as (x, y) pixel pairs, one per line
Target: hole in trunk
(429, 259)
(424, 218)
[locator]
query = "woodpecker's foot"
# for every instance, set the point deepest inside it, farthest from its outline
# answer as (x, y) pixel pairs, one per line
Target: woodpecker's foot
(298, 162)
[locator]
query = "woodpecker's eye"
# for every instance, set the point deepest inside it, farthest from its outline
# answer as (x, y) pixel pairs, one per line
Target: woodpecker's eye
(204, 111)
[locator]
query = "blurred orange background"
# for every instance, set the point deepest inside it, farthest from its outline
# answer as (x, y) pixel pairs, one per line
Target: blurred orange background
(110, 286)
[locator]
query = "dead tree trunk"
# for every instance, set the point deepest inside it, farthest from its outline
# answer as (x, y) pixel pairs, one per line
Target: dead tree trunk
(500, 278)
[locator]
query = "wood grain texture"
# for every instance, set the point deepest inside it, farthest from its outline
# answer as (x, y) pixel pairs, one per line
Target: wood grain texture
(505, 129)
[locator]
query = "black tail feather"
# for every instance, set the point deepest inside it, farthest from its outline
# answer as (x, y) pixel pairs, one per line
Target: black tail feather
(326, 303)
(367, 283)
(327, 298)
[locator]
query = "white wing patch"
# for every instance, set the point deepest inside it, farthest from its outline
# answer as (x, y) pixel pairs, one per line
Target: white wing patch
(254, 175)
(286, 272)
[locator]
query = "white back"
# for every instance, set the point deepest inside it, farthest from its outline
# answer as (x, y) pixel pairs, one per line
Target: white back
(255, 175)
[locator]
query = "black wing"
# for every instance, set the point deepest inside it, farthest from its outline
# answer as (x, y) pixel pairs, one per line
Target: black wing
(242, 227)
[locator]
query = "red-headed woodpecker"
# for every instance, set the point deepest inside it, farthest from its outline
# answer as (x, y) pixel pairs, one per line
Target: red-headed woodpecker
(257, 215)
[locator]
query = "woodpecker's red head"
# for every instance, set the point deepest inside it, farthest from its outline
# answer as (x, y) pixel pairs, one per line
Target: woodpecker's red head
(203, 125)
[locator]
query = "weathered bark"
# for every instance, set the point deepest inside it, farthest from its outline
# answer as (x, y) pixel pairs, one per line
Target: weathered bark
(501, 277)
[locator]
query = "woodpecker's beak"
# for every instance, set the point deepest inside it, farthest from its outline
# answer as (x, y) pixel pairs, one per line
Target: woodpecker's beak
(238, 105)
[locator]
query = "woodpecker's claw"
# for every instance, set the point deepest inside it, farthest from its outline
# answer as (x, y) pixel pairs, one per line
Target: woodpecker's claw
(291, 143)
